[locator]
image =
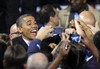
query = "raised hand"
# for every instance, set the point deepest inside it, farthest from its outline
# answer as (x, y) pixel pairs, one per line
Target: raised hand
(44, 32)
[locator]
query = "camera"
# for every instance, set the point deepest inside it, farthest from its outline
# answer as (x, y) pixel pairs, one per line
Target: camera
(75, 38)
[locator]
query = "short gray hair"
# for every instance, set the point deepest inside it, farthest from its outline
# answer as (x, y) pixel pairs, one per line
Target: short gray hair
(20, 19)
(37, 61)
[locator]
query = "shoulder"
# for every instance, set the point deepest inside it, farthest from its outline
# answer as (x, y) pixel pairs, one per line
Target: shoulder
(17, 40)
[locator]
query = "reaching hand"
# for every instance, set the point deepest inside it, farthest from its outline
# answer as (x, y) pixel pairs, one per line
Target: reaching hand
(44, 32)
(64, 48)
(88, 33)
(64, 36)
(69, 30)
(79, 29)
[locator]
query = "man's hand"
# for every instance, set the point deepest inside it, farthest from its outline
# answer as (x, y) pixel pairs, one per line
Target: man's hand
(64, 48)
(44, 32)
(69, 30)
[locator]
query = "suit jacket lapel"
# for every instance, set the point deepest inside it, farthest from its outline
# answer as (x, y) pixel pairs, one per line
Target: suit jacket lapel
(23, 43)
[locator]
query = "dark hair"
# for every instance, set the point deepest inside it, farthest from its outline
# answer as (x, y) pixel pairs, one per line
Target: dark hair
(5, 38)
(45, 13)
(20, 19)
(45, 49)
(15, 56)
(96, 40)
(75, 59)
(3, 47)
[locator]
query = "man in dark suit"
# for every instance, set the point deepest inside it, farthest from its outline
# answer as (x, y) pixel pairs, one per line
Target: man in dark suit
(30, 39)
(28, 28)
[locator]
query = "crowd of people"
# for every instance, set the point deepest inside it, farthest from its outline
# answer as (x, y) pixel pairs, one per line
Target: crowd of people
(53, 39)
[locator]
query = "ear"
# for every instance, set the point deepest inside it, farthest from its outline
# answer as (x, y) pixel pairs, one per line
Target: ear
(19, 29)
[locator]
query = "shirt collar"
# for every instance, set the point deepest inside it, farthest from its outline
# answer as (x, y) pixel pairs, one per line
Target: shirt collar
(26, 41)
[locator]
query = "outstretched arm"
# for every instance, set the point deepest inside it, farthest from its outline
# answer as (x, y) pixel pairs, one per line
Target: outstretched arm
(62, 53)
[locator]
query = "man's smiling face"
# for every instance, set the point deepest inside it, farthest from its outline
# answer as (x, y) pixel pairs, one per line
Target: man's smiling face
(29, 28)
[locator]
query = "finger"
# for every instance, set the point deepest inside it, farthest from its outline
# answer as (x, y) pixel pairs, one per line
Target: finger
(81, 23)
(63, 43)
(79, 29)
(90, 26)
(63, 36)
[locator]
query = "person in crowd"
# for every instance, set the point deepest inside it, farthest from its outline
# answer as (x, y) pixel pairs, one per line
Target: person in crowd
(73, 10)
(90, 23)
(15, 57)
(14, 31)
(37, 61)
(28, 28)
(48, 15)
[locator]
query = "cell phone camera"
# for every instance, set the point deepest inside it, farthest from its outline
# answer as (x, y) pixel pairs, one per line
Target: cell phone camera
(75, 38)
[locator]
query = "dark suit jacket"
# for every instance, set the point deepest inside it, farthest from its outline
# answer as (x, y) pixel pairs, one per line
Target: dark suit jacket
(19, 40)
